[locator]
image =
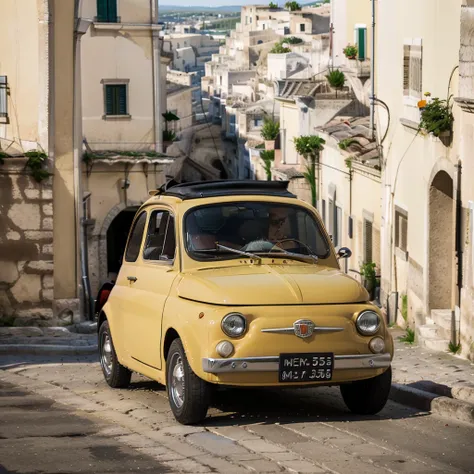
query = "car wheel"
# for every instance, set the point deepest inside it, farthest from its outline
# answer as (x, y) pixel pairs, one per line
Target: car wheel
(115, 374)
(368, 397)
(188, 395)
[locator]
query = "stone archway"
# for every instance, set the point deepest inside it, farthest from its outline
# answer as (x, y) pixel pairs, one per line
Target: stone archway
(132, 206)
(441, 240)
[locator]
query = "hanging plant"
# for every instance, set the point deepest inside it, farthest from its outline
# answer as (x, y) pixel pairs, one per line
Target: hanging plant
(437, 117)
(36, 162)
(268, 157)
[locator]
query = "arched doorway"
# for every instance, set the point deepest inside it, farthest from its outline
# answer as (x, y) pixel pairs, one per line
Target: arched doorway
(117, 235)
(441, 241)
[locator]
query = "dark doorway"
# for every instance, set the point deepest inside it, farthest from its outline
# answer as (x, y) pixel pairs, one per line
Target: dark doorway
(217, 164)
(117, 235)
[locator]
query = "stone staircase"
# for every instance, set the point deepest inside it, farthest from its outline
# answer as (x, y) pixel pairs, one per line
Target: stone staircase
(436, 333)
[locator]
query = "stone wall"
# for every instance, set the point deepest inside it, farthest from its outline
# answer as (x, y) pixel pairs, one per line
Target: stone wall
(26, 247)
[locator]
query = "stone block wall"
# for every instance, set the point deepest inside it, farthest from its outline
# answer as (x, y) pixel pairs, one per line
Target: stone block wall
(26, 247)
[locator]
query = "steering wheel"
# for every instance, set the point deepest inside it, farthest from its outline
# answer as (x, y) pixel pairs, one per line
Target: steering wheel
(302, 244)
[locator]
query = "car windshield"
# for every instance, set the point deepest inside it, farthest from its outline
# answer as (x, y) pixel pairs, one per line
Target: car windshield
(260, 228)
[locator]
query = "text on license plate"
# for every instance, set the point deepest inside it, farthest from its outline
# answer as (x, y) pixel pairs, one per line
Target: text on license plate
(306, 367)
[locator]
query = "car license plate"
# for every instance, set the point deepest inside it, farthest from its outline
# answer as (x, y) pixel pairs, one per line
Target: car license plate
(306, 367)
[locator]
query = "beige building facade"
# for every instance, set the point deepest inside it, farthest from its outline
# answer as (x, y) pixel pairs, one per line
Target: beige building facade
(427, 183)
(38, 220)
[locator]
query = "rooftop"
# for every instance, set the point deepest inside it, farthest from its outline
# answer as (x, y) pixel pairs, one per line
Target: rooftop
(353, 136)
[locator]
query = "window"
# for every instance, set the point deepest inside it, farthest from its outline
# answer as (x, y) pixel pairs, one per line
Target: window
(107, 11)
(232, 119)
(258, 122)
(3, 99)
(160, 240)
(135, 239)
(401, 230)
(412, 69)
(323, 210)
(116, 99)
(302, 27)
(367, 237)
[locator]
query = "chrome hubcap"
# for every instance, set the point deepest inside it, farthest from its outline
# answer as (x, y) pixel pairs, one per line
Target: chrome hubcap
(106, 354)
(177, 380)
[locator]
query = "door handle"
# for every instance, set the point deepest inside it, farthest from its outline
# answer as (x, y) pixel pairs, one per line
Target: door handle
(132, 278)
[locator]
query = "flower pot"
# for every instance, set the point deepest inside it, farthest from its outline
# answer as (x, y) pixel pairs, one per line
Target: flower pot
(269, 145)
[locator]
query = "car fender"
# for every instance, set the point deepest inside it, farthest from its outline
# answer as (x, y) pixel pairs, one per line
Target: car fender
(192, 321)
(115, 331)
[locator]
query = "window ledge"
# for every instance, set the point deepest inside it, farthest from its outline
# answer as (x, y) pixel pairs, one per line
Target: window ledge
(411, 101)
(410, 124)
(402, 255)
(127, 26)
(117, 117)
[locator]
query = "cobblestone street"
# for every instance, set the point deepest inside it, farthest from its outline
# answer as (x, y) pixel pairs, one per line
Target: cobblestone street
(247, 430)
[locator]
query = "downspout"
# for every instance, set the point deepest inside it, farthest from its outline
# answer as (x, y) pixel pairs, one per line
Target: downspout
(459, 253)
(156, 66)
(372, 77)
(86, 303)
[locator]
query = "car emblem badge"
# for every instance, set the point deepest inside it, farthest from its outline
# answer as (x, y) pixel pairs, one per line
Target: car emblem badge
(303, 328)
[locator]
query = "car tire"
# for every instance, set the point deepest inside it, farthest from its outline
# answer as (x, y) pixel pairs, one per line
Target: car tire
(368, 397)
(189, 396)
(115, 374)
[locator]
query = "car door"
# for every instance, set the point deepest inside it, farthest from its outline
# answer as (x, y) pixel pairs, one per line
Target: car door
(123, 294)
(150, 280)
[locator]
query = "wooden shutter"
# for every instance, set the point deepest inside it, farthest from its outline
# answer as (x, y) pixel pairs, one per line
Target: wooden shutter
(368, 252)
(406, 70)
(112, 11)
(102, 10)
(415, 71)
(109, 100)
(122, 99)
(361, 43)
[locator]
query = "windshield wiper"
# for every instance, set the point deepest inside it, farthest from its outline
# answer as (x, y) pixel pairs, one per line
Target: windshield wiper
(296, 256)
(238, 252)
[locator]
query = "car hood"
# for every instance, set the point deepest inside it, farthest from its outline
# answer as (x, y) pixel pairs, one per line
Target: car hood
(271, 285)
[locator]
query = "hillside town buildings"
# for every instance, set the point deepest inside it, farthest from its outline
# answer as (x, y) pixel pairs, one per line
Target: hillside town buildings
(399, 196)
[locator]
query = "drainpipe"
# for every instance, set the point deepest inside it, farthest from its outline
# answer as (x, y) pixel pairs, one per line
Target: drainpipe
(156, 65)
(372, 77)
(86, 304)
(459, 253)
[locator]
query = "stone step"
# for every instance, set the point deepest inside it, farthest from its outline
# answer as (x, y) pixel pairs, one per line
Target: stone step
(430, 331)
(442, 318)
(435, 344)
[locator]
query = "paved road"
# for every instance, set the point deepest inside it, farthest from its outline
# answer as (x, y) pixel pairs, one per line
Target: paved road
(247, 430)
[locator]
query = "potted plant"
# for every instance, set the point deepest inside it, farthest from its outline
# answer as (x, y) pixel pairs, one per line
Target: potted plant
(268, 157)
(336, 79)
(310, 148)
(350, 51)
(437, 117)
(369, 279)
(168, 135)
(269, 132)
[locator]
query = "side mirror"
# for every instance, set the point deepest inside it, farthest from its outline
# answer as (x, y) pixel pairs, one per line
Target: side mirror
(344, 252)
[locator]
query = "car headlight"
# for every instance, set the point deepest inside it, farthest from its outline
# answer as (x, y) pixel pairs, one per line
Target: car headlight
(234, 324)
(368, 323)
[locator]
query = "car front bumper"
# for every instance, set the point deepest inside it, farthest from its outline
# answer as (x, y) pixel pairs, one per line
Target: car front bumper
(271, 363)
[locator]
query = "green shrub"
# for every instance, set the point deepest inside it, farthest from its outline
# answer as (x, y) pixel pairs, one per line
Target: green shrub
(409, 336)
(36, 162)
(437, 117)
(336, 78)
(350, 51)
(270, 129)
(280, 49)
(268, 157)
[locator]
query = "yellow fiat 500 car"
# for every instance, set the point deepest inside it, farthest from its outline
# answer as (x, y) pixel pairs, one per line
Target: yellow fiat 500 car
(236, 283)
